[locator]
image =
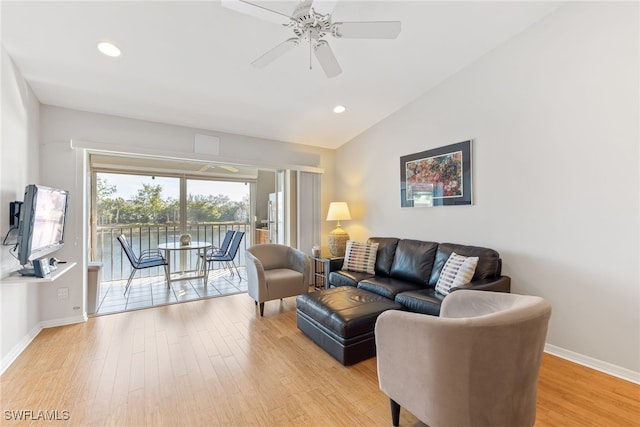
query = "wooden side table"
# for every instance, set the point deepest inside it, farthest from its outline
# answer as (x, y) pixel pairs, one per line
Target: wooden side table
(322, 266)
(262, 235)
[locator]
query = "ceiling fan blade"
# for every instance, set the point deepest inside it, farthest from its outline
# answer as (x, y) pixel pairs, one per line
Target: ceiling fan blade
(327, 59)
(276, 52)
(302, 9)
(367, 30)
(324, 6)
(257, 10)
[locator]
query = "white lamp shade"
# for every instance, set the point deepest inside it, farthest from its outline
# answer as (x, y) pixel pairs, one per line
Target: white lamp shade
(338, 211)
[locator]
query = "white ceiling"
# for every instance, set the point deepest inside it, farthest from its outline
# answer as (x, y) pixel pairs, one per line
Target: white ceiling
(188, 63)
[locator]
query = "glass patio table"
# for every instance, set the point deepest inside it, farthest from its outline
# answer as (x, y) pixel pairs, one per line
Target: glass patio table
(173, 247)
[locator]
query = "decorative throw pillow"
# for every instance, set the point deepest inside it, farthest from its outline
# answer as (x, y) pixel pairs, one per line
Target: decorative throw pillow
(457, 271)
(360, 257)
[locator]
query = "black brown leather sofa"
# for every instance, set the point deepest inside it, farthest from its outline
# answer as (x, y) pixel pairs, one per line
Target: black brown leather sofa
(407, 271)
(341, 319)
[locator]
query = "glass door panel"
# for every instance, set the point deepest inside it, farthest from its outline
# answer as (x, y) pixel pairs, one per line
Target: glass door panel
(213, 207)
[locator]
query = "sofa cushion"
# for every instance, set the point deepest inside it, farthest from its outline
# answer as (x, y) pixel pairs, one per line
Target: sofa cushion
(360, 257)
(282, 278)
(425, 301)
(387, 287)
(347, 278)
(457, 271)
(414, 260)
(488, 261)
(386, 252)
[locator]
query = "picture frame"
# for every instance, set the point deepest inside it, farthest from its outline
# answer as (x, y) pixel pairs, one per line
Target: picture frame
(437, 177)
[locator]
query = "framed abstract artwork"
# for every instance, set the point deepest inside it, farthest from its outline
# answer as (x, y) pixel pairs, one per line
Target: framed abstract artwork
(437, 177)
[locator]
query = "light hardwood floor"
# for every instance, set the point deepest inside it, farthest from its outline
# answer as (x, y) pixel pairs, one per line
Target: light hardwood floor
(214, 362)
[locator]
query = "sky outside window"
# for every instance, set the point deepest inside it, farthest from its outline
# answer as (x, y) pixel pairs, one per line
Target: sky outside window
(128, 186)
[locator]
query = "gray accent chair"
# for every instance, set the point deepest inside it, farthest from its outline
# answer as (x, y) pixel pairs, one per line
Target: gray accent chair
(477, 364)
(275, 272)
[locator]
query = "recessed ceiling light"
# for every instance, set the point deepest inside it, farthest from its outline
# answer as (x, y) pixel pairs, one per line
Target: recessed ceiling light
(339, 109)
(109, 49)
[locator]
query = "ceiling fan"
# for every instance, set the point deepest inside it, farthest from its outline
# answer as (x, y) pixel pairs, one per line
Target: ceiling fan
(309, 25)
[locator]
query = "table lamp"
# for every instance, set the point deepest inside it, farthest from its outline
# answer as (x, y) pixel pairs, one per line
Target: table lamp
(338, 237)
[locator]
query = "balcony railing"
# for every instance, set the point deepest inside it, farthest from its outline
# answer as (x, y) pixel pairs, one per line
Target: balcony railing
(116, 266)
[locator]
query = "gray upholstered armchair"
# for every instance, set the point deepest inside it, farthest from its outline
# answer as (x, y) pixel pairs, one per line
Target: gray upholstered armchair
(475, 365)
(275, 272)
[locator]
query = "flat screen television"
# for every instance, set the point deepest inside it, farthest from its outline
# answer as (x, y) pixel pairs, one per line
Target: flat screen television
(42, 223)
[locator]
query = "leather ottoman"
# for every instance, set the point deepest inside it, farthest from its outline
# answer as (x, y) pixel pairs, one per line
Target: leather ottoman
(341, 321)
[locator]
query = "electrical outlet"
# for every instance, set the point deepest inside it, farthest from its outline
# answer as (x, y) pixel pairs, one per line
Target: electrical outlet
(63, 293)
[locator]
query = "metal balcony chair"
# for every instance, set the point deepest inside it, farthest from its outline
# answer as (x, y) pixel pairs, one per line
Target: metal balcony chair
(147, 259)
(229, 256)
(214, 251)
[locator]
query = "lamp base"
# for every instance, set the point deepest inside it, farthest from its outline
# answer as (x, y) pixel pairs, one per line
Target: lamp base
(338, 241)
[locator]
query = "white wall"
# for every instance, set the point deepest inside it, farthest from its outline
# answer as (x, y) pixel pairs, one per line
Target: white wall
(554, 115)
(119, 133)
(62, 167)
(19, 165)
(65, 168)
(60, 125)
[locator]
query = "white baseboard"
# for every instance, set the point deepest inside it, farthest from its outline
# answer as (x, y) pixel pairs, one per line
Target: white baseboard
(19, 348)
(598, 365)
(24, 343)
(63, 321)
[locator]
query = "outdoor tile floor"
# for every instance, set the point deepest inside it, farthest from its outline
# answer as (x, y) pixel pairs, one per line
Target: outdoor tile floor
(153, 291)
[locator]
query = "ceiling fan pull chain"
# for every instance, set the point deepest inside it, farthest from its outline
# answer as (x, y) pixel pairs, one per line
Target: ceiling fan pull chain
(310, 48)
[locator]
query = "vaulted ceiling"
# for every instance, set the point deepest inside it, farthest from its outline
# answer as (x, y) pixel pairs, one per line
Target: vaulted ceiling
(189, 63)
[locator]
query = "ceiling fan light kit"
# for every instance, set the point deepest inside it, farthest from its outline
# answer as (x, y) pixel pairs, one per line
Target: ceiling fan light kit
(309, 25)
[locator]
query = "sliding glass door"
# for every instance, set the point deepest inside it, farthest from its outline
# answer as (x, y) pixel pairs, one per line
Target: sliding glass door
(153, 209)
(213, 207)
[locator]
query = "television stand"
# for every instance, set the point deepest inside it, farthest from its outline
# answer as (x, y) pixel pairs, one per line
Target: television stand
(15, 278)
